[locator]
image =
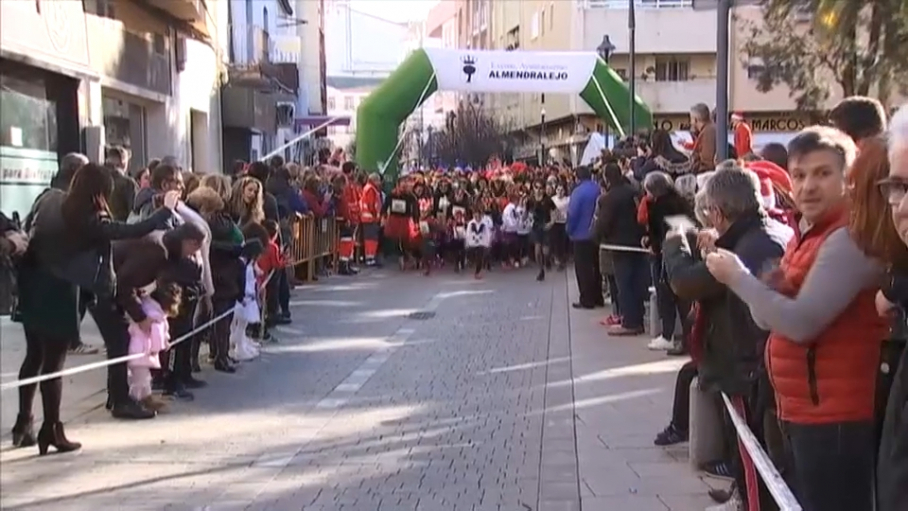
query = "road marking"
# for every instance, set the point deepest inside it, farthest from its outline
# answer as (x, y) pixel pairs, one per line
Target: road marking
(341, 394)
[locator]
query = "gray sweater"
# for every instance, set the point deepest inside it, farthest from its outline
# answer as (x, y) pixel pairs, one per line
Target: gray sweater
(840, 271)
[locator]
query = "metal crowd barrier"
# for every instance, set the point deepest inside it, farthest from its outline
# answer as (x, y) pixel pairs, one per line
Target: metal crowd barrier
(313, 244)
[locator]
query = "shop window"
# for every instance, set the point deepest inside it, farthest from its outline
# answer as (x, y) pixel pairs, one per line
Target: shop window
(124, 125)
(28, 119)
(348, 103)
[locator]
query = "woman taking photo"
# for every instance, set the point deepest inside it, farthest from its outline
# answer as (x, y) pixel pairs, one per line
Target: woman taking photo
(71, 248)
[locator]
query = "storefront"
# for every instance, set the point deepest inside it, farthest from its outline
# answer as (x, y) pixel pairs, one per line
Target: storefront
(39, 123)
(760, 122)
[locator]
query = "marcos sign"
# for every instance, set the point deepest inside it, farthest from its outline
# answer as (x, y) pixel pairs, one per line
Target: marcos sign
(759, 122)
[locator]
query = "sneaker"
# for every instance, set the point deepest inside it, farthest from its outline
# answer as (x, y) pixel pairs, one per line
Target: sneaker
(678, 350)
(660, 343)
(718, 470)
(84, 349)
(721, 496)
(670, 436)
(732, 504)
(611, 320)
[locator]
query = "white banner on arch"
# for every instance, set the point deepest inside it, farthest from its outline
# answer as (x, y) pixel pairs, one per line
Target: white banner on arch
(511, 71)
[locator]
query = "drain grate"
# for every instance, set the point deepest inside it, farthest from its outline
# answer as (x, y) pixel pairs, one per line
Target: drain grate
(421, 315)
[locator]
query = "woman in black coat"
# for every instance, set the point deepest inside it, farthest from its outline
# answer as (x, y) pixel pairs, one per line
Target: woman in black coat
(664, 201)
(70, 247)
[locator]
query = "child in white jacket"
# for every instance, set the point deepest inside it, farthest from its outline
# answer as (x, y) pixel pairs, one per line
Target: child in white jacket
(478, 240)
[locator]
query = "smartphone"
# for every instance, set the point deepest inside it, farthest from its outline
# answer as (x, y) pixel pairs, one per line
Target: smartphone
(680, 223)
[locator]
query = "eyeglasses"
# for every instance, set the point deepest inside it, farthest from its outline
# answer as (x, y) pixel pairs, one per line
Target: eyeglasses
(893, 190)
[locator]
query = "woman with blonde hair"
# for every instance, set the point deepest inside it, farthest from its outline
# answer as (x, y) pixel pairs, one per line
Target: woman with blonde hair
(219, 183)
(246, 202)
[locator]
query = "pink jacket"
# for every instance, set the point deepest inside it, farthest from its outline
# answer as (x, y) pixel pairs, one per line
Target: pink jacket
(149, 344)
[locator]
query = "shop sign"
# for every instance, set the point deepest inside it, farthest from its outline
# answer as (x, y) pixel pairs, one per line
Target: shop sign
(24, 173)
(761, 122)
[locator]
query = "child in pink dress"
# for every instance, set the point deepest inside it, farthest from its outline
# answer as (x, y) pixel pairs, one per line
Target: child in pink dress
(160, 304)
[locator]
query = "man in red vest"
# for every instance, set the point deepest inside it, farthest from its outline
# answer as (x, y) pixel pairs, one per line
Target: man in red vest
(370, 217)
(348, 213)
(823, 352)
(743, 135)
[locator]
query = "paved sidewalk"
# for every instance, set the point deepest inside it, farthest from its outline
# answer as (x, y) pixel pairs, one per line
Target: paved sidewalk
(82, 392)
(623, 397)
(494, 395)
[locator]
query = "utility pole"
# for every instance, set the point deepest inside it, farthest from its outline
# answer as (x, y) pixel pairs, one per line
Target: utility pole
(723, 10)
(632, 47)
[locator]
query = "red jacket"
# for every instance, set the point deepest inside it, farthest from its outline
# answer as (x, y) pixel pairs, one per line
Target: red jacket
(348, 207)
(315, 203)
(743, 139)
(832, 379)
(370, 204)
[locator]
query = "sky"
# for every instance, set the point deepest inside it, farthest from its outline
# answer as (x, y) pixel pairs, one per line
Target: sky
(395, 10)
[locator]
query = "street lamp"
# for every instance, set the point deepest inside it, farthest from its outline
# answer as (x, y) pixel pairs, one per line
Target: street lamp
(605, 50)
(542, 131)
(632, 31)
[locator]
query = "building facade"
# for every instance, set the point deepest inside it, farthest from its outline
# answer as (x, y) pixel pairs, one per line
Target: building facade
(261, 96)
(77, 75)
(675, 64)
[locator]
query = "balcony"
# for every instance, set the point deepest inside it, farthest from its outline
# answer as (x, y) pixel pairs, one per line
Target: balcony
(252, 60)
(680, 29)
(638, 4)
(139, 60)
(676, 96)
(191, 11)
(248, 108)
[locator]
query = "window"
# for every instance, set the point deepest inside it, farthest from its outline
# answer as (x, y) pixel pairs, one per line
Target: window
(534, 26)
(348, 103)
(551, 16)
(621, 72)
(754, 71)
(332, 103)
(28, 119)
(102, 8)
(672, 69)
(542, 22)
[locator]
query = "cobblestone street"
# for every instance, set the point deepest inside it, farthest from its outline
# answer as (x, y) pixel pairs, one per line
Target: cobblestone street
(496, 396)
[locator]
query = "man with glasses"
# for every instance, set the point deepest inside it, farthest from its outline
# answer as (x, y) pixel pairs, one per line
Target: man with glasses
(892, 467)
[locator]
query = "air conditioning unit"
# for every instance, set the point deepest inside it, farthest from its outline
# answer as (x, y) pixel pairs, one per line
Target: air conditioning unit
(285, 112)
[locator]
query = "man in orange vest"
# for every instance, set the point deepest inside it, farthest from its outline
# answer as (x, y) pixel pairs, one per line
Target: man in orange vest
(823, 352)
(370, 217)
(348, 212)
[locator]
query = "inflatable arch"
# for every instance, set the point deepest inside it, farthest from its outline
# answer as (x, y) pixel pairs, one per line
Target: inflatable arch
(426, 70)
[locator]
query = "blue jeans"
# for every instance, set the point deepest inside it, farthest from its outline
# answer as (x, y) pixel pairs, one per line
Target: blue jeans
(632, 277)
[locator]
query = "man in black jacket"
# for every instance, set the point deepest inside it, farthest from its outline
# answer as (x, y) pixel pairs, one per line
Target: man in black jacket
(125, 188)
(733, 344)
(616, 224)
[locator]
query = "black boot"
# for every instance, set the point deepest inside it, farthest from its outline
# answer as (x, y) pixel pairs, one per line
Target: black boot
(131, 410)
(194, 356)
(24, 431)
(541, 276)
(223, 365)
(51, 434)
